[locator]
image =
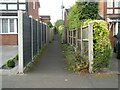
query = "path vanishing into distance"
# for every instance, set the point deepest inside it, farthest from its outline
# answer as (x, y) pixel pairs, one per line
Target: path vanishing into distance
(50, 72)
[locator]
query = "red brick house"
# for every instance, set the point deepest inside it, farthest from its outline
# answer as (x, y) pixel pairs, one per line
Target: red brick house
(44, 18)
(109, 10)
(8, 24)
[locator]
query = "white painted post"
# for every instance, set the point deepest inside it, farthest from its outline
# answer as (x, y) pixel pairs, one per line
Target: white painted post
(72, 38)
(37, 36)
(90, 44)
(81, 41)
(41, 34)
(67, 36)
(46, 34)
(76, 39)
(20, 42)
(116, 28)
(31, 20)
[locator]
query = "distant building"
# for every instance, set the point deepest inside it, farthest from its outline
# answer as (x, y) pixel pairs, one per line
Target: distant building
(109, 10)
(8, 25)
(44, 18)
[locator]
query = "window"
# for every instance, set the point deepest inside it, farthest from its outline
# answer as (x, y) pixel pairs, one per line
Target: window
(8, 26)
(22, 6)
(4, 25)
(11, 25)
(2, 6)
(117, 3)
(8, 1)
(109, 11)
(109, 3)
(117, 11)
(22, 1)
(12, 7)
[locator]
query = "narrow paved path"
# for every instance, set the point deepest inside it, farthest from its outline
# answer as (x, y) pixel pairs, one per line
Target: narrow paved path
(52, 60)
(50, 73)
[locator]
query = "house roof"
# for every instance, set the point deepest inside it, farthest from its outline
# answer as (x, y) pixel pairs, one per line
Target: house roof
(45, 17)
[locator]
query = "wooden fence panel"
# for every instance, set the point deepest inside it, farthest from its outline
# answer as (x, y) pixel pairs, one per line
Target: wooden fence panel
(82, 39)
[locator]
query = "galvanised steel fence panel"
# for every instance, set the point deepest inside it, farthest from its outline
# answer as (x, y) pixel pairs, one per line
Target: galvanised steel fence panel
(27, 57)
(39, 31)
(34, 37)
(43, 34)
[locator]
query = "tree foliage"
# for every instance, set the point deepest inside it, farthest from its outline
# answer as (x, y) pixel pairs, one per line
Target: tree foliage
(49, 24)
(80, 12)
(58, 23)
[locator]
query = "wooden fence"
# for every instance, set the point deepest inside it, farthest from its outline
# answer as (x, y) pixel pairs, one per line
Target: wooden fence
(82, 39)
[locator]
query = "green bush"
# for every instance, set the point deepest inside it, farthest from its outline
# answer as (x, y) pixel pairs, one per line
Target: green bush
(101, 45)
(60, 28)
(80, 12)
(10, 63)
(16, 57)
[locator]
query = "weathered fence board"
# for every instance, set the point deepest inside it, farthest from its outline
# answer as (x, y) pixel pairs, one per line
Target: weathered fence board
(82, 39)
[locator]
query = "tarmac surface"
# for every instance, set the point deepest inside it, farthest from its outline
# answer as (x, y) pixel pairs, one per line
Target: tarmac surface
(7, 52)
(50, 72)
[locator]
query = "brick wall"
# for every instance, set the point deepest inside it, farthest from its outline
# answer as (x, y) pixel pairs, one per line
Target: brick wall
(8, 39)
(31, 11)
(101, 7)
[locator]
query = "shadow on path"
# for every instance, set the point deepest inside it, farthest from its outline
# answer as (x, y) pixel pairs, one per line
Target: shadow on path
(50, 73)
(52, 59)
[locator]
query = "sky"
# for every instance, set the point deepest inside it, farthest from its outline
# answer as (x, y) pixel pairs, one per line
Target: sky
(53, 8)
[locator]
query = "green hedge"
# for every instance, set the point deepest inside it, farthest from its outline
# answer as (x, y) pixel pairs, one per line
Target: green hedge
(101, 44)
(80, 12)
(60, 28)
(11, 63)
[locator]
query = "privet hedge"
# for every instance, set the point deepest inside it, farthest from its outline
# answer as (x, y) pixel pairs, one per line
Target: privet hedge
(101, 45)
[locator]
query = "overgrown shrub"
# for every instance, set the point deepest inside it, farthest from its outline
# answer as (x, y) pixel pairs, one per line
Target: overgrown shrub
(101, 45)
(10, 63)
(80, 12)
(74, 61)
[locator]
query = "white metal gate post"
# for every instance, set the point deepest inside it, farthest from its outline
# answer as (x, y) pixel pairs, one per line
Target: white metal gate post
(20, 42)
(90, 44)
